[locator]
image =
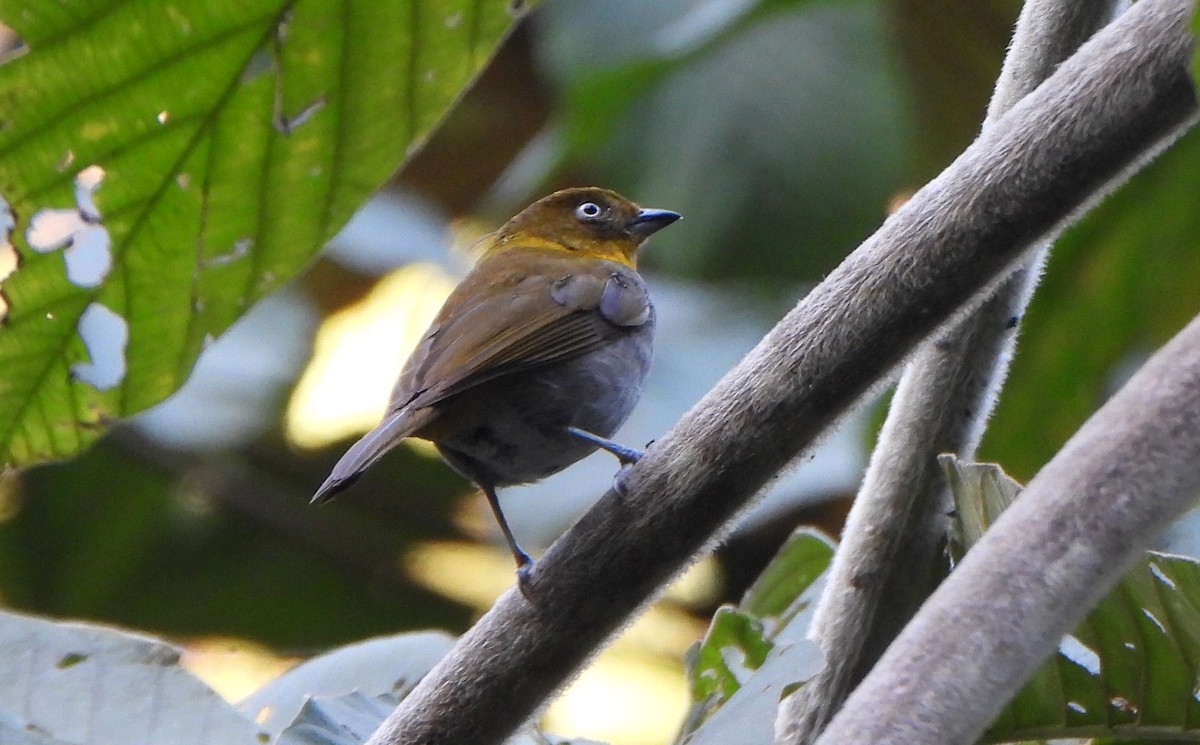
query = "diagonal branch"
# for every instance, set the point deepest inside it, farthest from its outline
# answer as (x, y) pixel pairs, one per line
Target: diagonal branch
(1076, 528)
(888, 560)
(1106, 111)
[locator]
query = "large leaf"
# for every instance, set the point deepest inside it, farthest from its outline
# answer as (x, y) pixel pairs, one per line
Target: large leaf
(231, 138)
(76, 683)
(388, 666)
(341, 697)
(12, 732)
(1130, 669)
(350, 718)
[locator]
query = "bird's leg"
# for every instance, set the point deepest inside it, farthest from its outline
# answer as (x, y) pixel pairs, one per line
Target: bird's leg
(524, 561)
(627, 456)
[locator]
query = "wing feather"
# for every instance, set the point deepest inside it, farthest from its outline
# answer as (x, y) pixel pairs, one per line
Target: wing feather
(549, 313)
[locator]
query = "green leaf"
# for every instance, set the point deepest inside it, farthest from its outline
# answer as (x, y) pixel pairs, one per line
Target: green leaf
(712, 672)
(235, 138)
(756, 653)
(981, 491)
(803, 559)
(1129, 670)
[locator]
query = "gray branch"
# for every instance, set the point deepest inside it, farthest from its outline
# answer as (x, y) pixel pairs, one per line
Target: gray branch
(888, 560)
(1099, 117)
(1078, 526)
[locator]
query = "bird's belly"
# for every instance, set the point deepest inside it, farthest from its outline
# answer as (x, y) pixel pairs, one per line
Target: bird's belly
(515, 428)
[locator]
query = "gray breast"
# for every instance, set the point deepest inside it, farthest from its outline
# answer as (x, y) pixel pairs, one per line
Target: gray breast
(525, 438)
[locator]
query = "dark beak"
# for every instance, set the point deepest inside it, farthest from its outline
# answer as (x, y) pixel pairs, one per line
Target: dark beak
(649, 222)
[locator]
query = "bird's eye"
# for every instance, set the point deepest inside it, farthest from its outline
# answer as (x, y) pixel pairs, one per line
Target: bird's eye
(588, 211)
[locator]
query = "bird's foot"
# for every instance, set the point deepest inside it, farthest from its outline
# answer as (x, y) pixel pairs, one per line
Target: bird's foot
(619, 480)
(525, 577)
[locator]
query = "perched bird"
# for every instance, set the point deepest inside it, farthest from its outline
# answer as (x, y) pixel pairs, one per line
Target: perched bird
(536, 358)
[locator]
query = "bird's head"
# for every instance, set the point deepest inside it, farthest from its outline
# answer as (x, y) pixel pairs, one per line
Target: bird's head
(594, 222)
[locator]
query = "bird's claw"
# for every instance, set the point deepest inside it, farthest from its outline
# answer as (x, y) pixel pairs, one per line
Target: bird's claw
(618, 484)
(525, 578)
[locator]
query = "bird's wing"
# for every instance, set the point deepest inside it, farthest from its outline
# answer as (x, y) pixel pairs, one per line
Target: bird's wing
(520, 323)
(371, 447)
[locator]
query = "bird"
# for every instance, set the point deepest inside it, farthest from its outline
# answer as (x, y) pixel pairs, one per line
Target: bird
(536, 358)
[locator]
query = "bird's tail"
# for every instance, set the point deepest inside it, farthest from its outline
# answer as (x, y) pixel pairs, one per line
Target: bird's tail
(363, 454)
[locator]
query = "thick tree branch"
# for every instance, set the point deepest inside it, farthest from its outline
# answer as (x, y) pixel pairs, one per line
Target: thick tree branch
(887, 561)
(1076, 528)
(1051, 156)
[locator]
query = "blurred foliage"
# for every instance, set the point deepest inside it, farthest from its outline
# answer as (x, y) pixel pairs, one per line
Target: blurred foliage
(951, 54)
(154, 540)
(1117, 286)
(1196, 54)
(781, 129)
(780, 173)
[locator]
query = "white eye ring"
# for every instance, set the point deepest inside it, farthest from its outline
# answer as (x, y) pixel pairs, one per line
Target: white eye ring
(588, 211)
